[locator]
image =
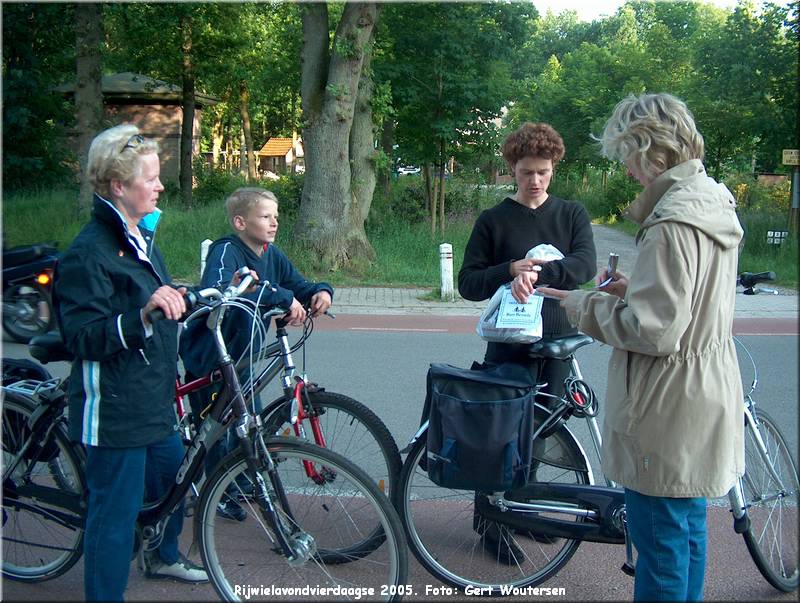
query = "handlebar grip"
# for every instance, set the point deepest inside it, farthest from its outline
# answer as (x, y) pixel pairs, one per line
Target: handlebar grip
(191, 301)
(749, 279)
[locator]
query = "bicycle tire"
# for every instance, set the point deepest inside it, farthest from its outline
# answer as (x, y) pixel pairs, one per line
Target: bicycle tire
(245, 553)
(350, 428)
(772, 535)
(442, 527)
(37, 544)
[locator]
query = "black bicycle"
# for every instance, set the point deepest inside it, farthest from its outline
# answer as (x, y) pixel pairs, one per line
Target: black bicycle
(315, 518)
(539, 526)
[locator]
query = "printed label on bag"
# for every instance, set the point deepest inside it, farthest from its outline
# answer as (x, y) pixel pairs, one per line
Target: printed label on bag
(514, 315)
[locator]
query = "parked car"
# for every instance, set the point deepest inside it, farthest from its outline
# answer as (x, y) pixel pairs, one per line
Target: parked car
(407, 169)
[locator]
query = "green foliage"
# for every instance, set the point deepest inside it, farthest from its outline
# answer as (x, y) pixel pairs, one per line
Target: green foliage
(214, 184)
(736, 69)
(753, 196)
(450, 69)
(406, 252)
(34, 215)
(289, 189)
(406, 201)
(38, 54)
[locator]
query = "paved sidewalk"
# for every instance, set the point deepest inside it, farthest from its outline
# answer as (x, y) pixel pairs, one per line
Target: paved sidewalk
(388, 300)
(391, 300)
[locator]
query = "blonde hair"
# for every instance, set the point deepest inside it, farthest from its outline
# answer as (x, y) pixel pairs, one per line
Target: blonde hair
(242, 200)
(654, 131)
(115, 155)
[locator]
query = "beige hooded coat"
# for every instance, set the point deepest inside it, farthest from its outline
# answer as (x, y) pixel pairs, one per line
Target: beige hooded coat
(674, 420)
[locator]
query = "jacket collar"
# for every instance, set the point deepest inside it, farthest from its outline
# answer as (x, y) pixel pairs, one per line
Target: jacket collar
(643, 205)
(105, 211)
(242, 246)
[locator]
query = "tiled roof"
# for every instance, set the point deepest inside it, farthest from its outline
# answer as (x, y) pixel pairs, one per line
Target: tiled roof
(276, 147)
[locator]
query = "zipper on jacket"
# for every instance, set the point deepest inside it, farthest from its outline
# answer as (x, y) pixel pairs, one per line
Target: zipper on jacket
(146, 361)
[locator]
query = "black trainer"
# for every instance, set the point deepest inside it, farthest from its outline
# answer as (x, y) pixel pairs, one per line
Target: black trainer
(231, 509)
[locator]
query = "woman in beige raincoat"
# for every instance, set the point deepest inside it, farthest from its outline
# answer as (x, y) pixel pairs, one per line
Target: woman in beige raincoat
(673, 428)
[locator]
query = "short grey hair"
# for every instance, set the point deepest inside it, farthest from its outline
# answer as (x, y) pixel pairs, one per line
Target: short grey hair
(654, 131)
(115, 155)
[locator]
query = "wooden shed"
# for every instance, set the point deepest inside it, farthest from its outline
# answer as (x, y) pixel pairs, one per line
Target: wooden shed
(155, 107)
(281, 155)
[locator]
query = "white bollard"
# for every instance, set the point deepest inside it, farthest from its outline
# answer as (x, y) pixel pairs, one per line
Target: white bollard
(203, 254)
(446, 271)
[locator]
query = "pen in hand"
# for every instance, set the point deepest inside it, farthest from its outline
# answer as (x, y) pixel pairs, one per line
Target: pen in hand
(613, 260)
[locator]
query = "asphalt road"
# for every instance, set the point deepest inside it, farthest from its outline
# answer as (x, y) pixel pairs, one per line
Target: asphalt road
(384, 366)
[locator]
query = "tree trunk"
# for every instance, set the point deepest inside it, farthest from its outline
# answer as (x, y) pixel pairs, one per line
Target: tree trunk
(242, 154)
(217, 140)
(187, 125)
(362, 143)
(331, 222)
(88, 93)
(430, 194)
(442, 188)
(244, 107)
(387, 144)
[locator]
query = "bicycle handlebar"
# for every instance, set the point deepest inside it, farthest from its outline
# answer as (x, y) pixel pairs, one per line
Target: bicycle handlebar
(194, 299)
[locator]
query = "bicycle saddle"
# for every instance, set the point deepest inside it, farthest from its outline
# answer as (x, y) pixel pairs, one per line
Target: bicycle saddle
(559, 347)
(49, 348)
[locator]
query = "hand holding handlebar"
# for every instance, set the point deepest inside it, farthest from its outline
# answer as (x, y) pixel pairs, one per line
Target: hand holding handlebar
(165, 302)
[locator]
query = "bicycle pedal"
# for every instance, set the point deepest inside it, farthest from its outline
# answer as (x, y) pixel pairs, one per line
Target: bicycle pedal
(628, 569)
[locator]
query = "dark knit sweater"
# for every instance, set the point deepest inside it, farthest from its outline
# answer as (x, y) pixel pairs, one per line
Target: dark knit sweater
(505, 233)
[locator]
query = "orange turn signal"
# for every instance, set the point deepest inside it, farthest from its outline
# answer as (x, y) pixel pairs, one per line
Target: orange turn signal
(43, 278)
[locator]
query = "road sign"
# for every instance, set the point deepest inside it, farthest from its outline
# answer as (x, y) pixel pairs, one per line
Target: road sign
(791, 157)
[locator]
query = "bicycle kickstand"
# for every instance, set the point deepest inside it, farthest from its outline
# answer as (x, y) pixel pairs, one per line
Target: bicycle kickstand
(627, 567)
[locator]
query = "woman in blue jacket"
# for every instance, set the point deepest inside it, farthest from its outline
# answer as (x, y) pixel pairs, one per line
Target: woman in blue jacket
(106, 283)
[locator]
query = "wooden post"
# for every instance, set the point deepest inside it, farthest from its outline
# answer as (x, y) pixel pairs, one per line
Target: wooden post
(203, 254)
(446, 271)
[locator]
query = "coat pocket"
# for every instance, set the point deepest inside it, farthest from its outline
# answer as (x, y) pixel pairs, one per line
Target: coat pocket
(619, 405)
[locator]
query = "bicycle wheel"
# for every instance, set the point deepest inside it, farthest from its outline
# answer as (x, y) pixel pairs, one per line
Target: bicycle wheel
(350, 429)
(43, 487)
(444, 532)
(330, 520)
(772, 537)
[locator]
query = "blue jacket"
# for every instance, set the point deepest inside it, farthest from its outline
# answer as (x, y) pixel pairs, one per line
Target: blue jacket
(122, 385)
(225, 257)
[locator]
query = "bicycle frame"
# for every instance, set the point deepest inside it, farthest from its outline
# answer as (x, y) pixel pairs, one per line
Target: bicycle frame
(293, 386)
(736, 495)
(228, 405)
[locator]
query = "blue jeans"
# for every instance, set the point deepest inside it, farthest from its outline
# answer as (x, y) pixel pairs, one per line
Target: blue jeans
(116, 479)
(670, 538)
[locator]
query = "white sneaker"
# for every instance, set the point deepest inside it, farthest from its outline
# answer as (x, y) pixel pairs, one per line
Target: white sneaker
(182, 570)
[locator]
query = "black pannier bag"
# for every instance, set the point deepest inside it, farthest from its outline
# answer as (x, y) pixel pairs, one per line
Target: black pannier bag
(480, 426)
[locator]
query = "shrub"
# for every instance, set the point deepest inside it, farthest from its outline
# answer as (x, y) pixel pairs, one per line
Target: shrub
(752, 196)
(213, 185)
(289, 190)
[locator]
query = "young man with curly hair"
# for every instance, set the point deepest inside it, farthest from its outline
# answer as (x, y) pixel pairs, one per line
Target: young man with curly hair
(495, 255)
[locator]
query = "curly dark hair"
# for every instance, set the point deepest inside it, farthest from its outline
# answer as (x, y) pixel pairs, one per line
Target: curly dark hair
(533, 140)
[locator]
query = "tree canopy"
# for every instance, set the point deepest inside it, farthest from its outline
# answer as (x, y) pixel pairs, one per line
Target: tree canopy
(441, 83)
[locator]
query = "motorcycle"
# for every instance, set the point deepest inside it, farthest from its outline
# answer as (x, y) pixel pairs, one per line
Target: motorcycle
(27, 290)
